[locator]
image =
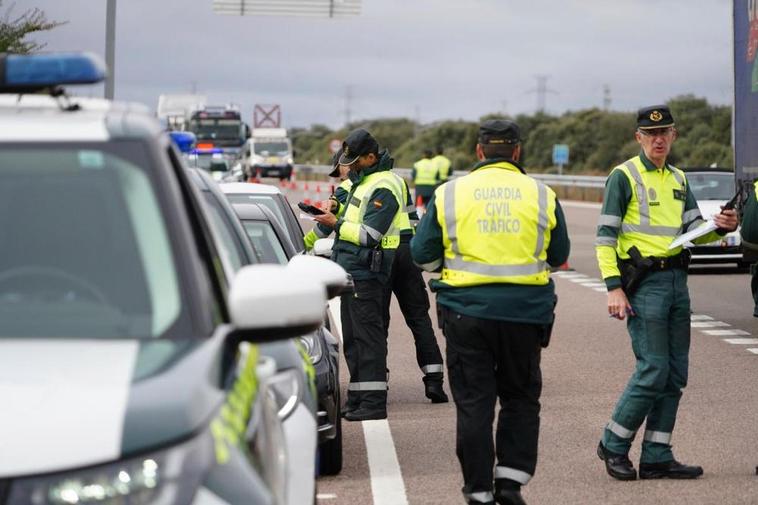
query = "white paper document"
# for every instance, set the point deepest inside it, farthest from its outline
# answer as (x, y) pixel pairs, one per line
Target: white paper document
(701, 230)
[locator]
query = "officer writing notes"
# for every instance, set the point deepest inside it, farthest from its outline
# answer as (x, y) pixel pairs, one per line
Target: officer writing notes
(335, 204)
(493, 233)
(647, 203)
(367, 235)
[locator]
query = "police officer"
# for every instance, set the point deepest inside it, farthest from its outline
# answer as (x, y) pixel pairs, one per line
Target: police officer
(647, 203)
(368, 233)
(749, 234)
(335, 204)
(493, 233)
(425, 177)
(443, 164)
(409, 288)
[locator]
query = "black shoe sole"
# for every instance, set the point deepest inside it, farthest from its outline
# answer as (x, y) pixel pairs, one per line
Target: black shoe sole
(664, 475)
(611, 472)
(437, 398)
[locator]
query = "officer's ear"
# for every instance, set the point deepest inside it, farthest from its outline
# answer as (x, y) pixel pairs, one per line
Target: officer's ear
(480, 153)
(516, 152)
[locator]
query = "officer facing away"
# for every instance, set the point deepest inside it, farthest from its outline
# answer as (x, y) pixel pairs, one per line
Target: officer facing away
(368, 234)
(443, 164)
(493, 233)
(425, 177)
(647, 203)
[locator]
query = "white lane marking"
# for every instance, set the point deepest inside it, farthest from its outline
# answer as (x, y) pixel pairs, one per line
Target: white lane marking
(334, 308)
(592, 284)
(601, 290)
(578, 280)
(741, 341)
(326, 496)
(708, 324)
(754, 350)
(700, 317)
(387, 486)
(725, 333)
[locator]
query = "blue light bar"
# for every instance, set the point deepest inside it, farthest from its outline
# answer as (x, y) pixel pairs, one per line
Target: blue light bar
(213, 150)
(184, 141)
(23, 73)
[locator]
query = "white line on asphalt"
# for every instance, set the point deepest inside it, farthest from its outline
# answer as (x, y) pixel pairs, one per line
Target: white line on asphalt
(387, 486)
(754, 350)
(741, 341)
(326, 496)
(592, 284)
(601, 290)
(725, 333)
(700, 317)
(709, 324)
(578, 279)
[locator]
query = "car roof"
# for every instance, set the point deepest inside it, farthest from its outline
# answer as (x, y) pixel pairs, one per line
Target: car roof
(231, 188)
(43, 119)
(715, 170)
(255, 212)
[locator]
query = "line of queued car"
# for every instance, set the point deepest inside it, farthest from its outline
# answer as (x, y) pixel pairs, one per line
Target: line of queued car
(148, 351)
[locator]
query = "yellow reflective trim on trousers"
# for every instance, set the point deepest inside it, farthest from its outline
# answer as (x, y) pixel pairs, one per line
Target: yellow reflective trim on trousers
(230, 424)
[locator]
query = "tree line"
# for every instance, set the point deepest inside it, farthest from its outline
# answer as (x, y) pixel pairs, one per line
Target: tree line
(598, 140)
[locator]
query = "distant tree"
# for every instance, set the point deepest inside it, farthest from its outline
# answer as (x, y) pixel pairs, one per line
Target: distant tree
(14, 29)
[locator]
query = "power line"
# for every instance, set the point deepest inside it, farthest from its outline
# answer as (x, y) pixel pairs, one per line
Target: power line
(606, 97)
(348, 104)
(542, 90)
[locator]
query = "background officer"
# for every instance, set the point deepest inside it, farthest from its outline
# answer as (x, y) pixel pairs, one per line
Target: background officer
(425, 177)
(647, 203)
(367, 235)
(494, 232)
(443, 165)
(749, 234)
(409, 288)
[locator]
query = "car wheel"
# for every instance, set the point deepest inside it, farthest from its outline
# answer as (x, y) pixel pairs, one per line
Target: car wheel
(330, 452)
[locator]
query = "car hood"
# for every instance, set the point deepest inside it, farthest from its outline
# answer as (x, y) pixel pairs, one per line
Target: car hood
(74, 403)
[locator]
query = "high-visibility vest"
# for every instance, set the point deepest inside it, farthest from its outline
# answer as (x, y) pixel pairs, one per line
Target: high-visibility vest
(358, 203)
(655, 212)
(426, 172)
(496, 226)
(443, 166)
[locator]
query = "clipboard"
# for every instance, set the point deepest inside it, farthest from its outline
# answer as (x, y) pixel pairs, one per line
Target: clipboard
(701, 230)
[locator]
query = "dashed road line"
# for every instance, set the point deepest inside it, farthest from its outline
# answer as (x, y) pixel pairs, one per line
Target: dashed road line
(725, 333)
(754, 350)
(708, 324)
(741, 341)
(700, 317)
(387, 486)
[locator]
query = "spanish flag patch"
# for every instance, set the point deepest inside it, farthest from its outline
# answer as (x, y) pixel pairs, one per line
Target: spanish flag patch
(378, 204)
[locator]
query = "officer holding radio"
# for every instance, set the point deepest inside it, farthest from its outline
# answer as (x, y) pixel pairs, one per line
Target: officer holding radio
(367, 235)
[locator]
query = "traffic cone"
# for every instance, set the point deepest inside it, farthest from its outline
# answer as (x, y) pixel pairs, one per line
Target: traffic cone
(306, 194)
(420, 207)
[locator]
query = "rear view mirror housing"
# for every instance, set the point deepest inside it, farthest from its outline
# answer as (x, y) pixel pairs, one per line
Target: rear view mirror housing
(332, 276)
(323, 247)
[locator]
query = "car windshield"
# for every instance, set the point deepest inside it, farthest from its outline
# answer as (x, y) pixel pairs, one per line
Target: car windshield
(272, 148)
(268, 201)
(209, 129)
(86, 252)
(710, 186)
(266, 244)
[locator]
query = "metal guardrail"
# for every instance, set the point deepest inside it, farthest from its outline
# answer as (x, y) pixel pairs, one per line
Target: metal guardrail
(575, 181)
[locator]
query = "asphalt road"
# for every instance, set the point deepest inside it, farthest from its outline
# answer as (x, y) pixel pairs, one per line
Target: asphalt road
(412, 459)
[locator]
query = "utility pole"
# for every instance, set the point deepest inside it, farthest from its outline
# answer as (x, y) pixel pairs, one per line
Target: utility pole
(542, 90)
(348, 104)
(110, 48)
(606, 97)
(193, 87)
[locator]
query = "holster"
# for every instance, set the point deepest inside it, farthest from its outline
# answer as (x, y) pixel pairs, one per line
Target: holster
(634, 270)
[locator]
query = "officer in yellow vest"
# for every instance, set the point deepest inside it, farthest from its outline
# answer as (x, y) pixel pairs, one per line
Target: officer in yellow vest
(368, 233)
(425, 177)
(647, 203)
(494, 233)
(335, 204)
(443, 164)
(749, 234)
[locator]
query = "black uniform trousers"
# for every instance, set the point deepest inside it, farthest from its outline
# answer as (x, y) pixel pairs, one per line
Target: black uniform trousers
(409, 288)
(364, 340)
(489, 360)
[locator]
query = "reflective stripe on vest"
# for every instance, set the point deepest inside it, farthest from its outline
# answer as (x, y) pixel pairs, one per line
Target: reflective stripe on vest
(495, 250)
(651, 225)
(426, 172)
(359, 202)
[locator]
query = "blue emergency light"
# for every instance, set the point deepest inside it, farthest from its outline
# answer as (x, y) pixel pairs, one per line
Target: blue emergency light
(184, 141)
(28, 73)
(212, 150)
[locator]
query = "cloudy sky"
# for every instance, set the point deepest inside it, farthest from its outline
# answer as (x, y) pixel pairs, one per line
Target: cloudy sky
(422, 59)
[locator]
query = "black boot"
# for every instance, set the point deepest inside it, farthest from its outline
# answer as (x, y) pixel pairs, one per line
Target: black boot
(433, 387)
(669, 470)
(618, 466)
(508, 492)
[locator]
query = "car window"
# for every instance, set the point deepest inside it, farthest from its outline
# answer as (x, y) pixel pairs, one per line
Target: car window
(711, 186)
(265, 241)
(229, 246)
(85, 248)
(267, 201)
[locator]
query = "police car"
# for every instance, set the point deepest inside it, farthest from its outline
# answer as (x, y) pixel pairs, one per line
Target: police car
(129, 364)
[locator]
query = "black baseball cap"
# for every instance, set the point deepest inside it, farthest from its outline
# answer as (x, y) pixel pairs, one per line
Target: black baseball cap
(336, 164)
(358, 143)
(655, 116)
(499, 131)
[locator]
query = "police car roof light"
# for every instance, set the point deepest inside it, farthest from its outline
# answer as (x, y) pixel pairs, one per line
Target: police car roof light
(29, 73)
(184, 141)
(212, 150)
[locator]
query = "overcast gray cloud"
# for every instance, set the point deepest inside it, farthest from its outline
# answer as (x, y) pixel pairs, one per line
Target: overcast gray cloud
(426, 59)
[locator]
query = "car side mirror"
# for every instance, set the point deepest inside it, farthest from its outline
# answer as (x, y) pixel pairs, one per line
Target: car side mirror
(332, 276)
(274, 302)
(323, 247)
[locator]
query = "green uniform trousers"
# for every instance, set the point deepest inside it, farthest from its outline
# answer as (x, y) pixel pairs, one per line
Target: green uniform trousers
(660, 333)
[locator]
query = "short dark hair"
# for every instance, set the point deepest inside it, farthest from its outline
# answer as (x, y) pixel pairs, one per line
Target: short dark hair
(499, 150)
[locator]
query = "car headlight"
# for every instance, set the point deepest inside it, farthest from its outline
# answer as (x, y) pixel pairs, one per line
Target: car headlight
(312, 346)
(166, 477)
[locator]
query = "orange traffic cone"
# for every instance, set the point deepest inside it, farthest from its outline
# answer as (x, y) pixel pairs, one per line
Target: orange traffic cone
(420, 207)
(306, 194)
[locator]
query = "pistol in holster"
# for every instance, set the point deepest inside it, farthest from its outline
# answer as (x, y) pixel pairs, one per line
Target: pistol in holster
(634, 270)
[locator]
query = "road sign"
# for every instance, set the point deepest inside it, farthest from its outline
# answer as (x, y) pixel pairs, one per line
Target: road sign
(560, 154)
(335, 145)
(267, 116)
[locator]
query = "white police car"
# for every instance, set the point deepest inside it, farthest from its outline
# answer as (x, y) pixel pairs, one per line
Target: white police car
(127, 373)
